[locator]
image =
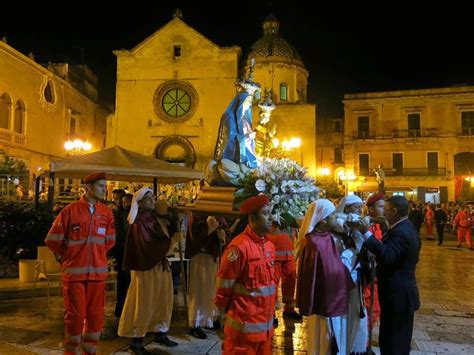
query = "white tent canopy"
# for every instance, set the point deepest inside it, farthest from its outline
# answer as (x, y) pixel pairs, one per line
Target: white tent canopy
(123, 165)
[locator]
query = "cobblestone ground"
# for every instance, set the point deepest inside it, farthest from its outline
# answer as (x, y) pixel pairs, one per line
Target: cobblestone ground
(444, 324)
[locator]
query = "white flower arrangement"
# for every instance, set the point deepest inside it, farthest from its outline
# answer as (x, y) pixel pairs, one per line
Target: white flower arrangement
(287, 185)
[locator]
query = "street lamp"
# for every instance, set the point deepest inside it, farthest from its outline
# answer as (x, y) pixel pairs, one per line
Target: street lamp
(346, 176)
(77, 147)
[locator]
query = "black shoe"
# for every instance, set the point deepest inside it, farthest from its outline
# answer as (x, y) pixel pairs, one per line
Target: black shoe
(293, 315)
(275, 322)
(162, 339)
(136, 346)
(439, 243)
(471, 248)
(459, 245)
(197, 333)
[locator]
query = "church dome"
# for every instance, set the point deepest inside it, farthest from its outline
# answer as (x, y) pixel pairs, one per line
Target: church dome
(273, 45)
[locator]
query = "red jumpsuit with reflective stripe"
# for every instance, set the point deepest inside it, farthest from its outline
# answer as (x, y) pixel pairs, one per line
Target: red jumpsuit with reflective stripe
(285, 268)
(82, 239)
(377, 232)
(463, 221)
(246, 291)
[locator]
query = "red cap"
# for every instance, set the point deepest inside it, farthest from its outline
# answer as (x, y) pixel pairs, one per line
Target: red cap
(374, 198)
(93, 177)
(254, 204)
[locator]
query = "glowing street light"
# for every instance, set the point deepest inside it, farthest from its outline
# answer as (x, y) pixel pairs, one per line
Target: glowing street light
(325, 171)
(77, 146)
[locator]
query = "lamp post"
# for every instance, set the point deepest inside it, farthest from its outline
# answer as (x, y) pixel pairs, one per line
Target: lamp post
(77, 147)
(346, 176)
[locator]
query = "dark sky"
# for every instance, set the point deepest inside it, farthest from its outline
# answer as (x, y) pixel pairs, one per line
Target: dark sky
(347, 47)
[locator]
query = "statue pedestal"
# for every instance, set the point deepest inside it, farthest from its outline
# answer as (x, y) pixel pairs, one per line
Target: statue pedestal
(214, 201)
(215, 198)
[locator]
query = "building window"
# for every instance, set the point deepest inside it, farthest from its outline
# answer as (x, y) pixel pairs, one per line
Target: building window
(337, 125)
(337, 155)
(283, 92)
(397, 164)
(467, 123)
(432, 158)
(363, 128)
(19, 119)
(175, 101)
(5, 108)
(414, 127)
(72, 126)
(48, 92)
(364, 164)
(176, 51)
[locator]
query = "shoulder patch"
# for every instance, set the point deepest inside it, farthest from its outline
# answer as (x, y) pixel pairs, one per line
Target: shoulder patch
(233, 254)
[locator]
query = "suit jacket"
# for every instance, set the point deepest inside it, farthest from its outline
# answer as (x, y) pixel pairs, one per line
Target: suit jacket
(396, 258)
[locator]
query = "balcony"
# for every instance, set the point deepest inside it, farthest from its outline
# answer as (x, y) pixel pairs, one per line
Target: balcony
(406, 172)
(467, 131)
(363, 135)
(12, 137)
(414, 133)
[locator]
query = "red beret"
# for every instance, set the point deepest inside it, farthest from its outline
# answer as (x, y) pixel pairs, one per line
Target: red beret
(254, 204)
(93, 177)
(374, 198)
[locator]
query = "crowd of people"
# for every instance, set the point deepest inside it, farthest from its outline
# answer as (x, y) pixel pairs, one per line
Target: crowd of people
(354, 267)
(443, 218)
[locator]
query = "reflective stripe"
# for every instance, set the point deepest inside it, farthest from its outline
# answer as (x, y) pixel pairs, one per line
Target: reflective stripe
(248, 327)
(94, 336)
(89, 348)
(90, 239)
(262, 291)
(57, 237)
(225, 283)
(85, 270)
(284, 252)
(110, 237)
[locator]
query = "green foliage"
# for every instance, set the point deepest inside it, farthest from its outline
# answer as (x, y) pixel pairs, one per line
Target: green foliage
(329, 187)
(22, 227)
(13, 166)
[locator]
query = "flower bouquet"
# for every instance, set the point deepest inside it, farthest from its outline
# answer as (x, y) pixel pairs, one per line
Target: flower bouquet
(287, 185)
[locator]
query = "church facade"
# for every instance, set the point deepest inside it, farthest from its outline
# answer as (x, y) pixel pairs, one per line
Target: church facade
(173, 87)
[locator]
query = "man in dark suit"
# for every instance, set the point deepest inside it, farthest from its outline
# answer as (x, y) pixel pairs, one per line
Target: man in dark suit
(396, 256)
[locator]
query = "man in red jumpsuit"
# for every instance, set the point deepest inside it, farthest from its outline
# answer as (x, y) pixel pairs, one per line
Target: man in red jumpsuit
(245, 284)
(463, 222)
(80, 236)
(285, 269)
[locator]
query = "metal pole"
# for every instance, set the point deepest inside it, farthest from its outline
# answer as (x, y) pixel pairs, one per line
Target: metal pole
(51, 192)
(155, 186)
(37, 185)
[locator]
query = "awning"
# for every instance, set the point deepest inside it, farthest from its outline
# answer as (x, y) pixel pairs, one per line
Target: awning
(371, 188)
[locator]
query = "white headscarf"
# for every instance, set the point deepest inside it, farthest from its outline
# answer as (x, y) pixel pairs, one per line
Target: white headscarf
(137, 196)
(347, 200)
(317, 211)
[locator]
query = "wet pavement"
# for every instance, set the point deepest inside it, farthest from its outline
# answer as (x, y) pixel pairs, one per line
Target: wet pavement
(444, 324)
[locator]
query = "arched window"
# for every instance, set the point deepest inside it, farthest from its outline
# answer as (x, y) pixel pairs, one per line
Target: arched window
(19, 120)
(49, 92)
(5, 111)
(283, 92)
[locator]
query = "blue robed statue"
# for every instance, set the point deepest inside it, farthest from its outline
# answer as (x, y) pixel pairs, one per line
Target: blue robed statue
(236, 137)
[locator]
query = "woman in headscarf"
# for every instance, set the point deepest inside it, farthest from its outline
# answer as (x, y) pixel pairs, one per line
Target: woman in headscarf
(357, 326)
(323, 282)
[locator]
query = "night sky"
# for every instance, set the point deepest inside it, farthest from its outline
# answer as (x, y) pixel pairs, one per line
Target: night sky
(358, 46)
